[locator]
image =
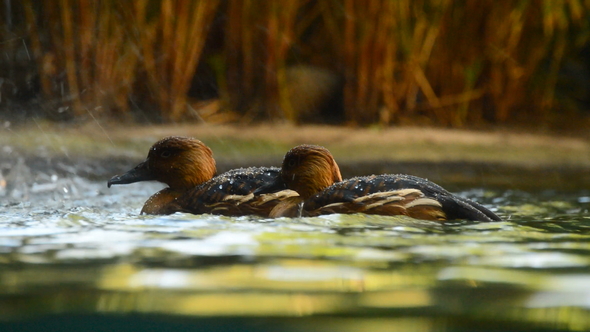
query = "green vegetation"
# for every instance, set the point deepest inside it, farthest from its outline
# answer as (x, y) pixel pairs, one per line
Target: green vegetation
(442, 62)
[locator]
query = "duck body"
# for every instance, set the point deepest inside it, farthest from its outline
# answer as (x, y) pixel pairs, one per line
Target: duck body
(311, 171)
(187, 166)
(392, 194)
(231, 194)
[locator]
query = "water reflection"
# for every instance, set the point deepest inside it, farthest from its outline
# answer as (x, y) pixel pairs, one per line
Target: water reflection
(88, 252)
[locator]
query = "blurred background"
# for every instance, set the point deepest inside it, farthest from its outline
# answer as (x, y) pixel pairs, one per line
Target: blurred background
(75, 255)
(446, 63)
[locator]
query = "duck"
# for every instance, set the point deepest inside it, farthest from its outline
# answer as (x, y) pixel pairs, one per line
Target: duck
(186, 165)
(312, 172)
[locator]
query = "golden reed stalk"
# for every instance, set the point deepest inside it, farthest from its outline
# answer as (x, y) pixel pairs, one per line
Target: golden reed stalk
(171, 51)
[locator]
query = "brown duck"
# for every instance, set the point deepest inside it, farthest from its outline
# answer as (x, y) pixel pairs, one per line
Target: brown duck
(312, 172)
(187, 166)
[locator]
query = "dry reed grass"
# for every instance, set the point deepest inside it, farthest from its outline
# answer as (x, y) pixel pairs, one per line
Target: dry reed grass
(450, 60)
(442, 61)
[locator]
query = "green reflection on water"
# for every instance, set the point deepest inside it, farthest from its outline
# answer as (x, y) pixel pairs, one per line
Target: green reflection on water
(532, 269)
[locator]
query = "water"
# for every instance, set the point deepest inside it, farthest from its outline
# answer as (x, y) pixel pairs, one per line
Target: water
(75, 255)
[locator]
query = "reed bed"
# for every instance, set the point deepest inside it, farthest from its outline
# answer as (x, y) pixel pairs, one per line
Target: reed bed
(83, 54)
(444, 62)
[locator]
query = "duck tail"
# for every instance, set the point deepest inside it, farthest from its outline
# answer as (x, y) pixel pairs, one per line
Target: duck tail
(462, 208)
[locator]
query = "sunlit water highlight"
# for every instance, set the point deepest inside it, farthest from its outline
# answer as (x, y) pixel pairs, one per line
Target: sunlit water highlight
(74, 246)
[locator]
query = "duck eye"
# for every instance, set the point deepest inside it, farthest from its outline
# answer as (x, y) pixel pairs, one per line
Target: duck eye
(292, 162)
(165, 154)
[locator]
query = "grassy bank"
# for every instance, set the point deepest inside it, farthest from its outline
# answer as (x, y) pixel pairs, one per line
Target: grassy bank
(272, 141)
(496, 158)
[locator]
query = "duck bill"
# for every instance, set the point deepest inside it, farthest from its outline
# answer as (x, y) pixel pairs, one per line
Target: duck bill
(272, 187)
(141, 172)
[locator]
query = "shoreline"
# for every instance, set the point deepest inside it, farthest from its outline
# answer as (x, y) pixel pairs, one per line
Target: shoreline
(461, 158)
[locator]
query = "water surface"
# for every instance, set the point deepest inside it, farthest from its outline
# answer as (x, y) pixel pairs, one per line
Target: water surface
(73, 251)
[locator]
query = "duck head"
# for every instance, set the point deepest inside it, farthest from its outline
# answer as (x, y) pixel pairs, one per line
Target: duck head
(180, 162)
(309, 169)
(306, 169)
